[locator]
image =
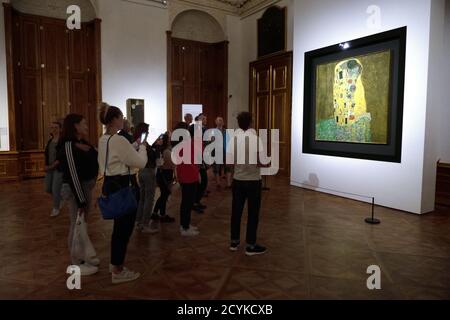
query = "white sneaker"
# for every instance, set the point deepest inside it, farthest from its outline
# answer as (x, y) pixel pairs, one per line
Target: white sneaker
(94, 261)
(55, 213)
(153, 228)
(87, 269)
(191, 232)
(191, 227)
(125, 276)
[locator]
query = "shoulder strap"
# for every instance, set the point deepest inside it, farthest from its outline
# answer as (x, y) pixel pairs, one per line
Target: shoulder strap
(107, 153)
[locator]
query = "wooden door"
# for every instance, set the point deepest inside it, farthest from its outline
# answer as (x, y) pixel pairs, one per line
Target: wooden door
(271, 101)
(55, 73)
(197, 74)
(31, 97)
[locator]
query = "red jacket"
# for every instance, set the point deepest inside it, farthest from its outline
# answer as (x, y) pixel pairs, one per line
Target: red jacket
(189, 173)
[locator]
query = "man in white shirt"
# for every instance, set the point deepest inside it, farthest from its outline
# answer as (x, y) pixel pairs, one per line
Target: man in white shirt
(247, 185)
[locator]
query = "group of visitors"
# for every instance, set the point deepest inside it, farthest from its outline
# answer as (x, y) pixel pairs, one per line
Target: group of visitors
(126, 158)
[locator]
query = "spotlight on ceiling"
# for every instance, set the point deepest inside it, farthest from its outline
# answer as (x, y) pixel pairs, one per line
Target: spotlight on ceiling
(344, 46)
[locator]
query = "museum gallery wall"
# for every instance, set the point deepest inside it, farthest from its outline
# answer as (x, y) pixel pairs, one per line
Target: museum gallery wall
(362, 145)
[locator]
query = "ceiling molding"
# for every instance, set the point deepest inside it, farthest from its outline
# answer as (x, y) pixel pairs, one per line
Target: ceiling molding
(151, 3)
(241, 8)
(212, 4)
(236, 3)
(254, 6)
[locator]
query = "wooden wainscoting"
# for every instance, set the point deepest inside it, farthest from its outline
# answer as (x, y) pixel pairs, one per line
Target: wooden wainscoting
(32, 164)
(9, 166)
(21, 165)
(443, 185)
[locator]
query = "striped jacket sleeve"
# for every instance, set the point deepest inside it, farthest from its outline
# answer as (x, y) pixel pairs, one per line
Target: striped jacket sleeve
(75, 182)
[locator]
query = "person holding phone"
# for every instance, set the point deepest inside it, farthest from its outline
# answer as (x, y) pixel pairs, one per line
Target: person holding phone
(121, 156)
(145, 221)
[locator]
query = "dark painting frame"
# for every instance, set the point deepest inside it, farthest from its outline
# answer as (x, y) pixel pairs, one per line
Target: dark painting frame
(272, 36)
(395, 41)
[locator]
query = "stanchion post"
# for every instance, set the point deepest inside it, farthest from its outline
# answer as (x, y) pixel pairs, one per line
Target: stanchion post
(372, 220)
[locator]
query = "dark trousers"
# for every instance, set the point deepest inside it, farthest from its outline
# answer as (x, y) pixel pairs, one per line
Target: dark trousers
(123, 226)
(135, 184)
(245, 191)
(188, 193)
(164, 179)
(202, 185)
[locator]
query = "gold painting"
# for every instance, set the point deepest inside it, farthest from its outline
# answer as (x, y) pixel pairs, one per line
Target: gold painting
(352, 97)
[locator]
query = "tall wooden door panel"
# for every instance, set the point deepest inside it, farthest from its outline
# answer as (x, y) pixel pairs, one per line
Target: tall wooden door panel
(31, 102)
(177, 63)
(261, 99)
(262, 111)
(206, 80)
(191, 76)
(281, 109)
(92, 75)
(79, 97)
(17, 63)
(281, 120)
(78, 76)
(55, 84)
(77, 51)
(31, 113)
(178, 100)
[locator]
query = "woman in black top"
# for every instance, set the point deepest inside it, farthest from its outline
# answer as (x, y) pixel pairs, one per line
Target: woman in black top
(78, 162)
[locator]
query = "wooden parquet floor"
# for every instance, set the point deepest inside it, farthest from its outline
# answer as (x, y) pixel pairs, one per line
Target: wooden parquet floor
(319, 248)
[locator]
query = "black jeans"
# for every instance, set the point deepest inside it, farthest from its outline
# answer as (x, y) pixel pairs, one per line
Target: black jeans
(202, 185)
(188, 193)
(245, 191)
(164, 179)
(123, 226)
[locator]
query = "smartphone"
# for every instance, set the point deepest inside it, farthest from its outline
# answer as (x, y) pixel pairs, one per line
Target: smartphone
(144, 137)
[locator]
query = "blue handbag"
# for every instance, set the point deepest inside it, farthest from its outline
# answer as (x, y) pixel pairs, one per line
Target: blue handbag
(117, 204)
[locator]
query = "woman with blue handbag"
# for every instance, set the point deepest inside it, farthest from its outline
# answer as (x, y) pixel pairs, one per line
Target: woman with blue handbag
(116, 156)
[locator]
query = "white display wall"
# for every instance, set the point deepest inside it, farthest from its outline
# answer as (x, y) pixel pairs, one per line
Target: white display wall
(322, 23)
